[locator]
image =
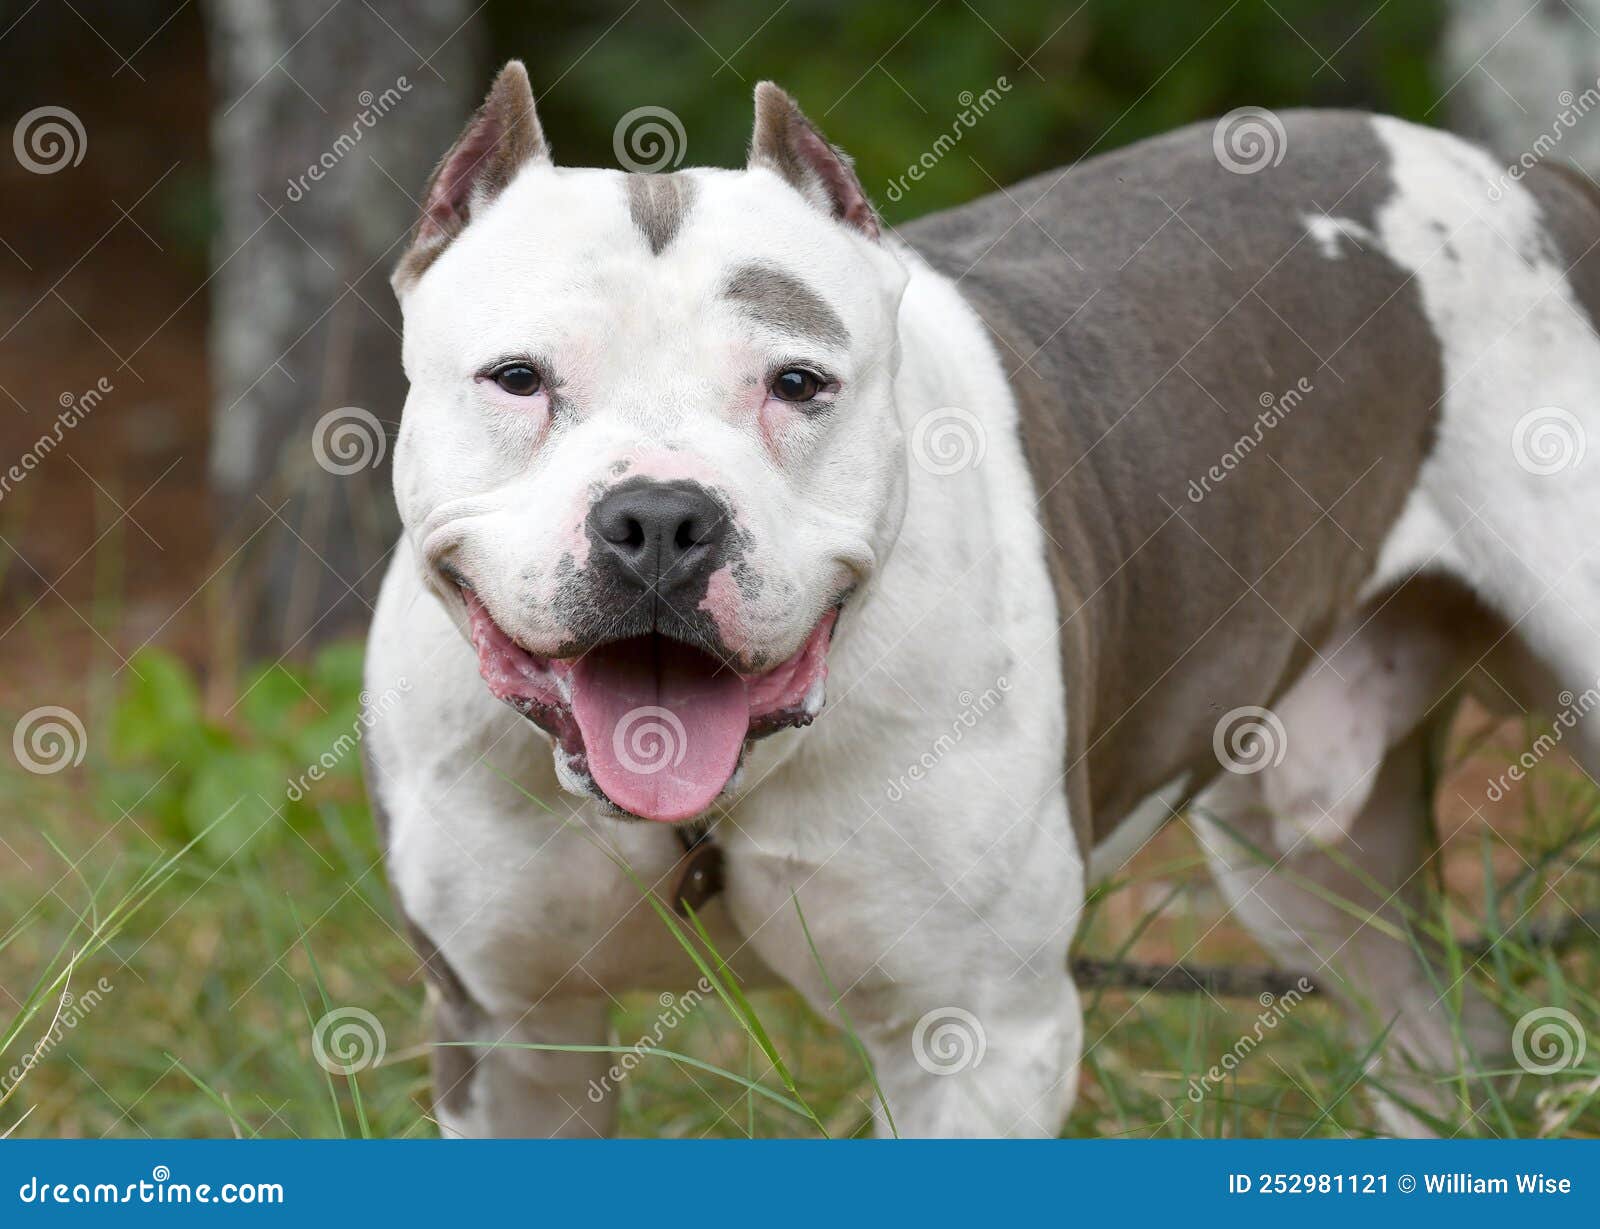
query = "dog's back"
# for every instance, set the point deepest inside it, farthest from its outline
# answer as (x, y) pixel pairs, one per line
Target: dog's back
(1168, 311)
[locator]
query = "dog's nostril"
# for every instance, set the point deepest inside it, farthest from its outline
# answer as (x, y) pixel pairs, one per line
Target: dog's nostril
(660, 529)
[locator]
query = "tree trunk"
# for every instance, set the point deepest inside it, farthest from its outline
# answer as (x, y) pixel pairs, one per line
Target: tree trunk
(328, 118)
(1522, 79)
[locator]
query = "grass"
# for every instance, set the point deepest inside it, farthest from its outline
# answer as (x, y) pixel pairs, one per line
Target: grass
(177, 867)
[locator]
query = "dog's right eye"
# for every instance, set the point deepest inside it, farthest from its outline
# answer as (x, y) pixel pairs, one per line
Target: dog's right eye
(518, 379)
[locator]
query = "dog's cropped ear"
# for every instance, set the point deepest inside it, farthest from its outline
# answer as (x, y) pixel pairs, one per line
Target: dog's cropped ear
(787, 142)
(497, 142)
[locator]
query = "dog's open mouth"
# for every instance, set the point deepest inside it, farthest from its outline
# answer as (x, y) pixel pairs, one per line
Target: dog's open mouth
(657, 726)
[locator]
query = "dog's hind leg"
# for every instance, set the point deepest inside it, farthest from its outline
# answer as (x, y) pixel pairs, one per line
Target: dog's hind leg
(1325, 856)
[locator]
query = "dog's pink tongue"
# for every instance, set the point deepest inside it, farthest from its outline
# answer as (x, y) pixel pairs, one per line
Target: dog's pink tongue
(662, 725)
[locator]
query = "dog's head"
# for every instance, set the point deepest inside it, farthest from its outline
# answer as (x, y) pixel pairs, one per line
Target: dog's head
(650, 449)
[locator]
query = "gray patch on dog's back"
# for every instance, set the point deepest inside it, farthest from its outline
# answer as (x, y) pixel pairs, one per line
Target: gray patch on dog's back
(1152, 345)
(1569, 208)
(658, 204)
(780, 300)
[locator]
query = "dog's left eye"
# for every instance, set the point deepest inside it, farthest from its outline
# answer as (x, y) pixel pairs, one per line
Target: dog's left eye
(796, 384)
(519, 379)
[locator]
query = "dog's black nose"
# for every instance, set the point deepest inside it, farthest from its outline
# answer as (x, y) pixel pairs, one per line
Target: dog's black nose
(664, 534)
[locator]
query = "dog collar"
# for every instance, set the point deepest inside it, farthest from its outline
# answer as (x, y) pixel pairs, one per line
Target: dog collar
(700, 868)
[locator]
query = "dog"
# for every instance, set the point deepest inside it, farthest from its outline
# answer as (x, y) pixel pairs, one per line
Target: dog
(897, 585)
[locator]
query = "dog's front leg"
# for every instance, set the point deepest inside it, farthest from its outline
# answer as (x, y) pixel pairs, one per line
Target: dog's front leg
(488, 1084)
(950, 964)
(1006, 1066)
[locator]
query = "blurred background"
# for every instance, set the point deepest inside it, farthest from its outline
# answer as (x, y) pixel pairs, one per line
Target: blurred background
(199, 210)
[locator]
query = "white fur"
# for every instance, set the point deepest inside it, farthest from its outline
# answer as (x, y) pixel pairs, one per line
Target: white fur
(963, 892)
(1327, 232)
(959, 893)
(1137, 829)
(1514, 339)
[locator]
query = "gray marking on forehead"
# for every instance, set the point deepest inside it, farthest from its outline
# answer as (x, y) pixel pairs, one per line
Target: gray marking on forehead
(658, 204)
(780, 300)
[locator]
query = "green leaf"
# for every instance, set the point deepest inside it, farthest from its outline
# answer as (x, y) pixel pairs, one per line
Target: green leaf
(159, 714)
(232, 800)
(336, 674)
(271, 700)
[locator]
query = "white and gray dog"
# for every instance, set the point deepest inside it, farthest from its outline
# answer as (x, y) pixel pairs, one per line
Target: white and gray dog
(761, 556)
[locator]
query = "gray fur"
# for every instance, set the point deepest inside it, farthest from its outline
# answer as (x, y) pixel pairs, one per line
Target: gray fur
(779, 300)
(1140, 346)
(1569, 201)
(658, 205)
